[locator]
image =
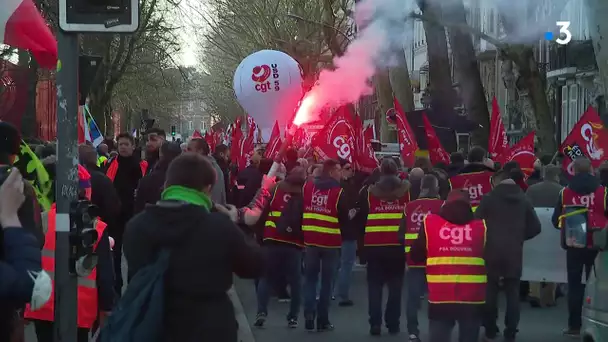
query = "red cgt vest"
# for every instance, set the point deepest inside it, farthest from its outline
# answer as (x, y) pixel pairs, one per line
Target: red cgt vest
(320, 225)
(280, 198)
(382, 228)
(87, 286)
(476, 183)
(455, 268)
(415, 212)
(595, 202)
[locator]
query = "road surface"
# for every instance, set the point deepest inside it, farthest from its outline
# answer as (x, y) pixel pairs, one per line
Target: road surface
(352, 326)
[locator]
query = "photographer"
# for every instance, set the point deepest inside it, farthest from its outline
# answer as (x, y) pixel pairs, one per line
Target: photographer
(20, 254)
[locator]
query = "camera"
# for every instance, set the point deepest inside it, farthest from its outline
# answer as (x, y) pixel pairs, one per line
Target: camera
(4, 172)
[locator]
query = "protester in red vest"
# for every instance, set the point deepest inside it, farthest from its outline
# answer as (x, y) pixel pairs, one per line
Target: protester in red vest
(456, 290)
(284, 252)
(415, 212)
(475, 177)
(380, 211)
(95, 292)
(584, 189)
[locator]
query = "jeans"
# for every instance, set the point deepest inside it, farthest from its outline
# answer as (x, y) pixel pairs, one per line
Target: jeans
(441, 330)
(577, 261)
(348, 255)
(44, 332)
(381, 271)
(511, 289)
(318, 260)
(416, 286)
(283, 261)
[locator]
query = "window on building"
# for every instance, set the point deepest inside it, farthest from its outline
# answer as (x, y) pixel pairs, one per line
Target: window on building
(190, 125)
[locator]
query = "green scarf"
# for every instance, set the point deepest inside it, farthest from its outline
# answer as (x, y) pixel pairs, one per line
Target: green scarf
(191, 196)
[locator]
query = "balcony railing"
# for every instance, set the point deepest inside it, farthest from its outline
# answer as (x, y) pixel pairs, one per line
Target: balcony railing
(578, 54)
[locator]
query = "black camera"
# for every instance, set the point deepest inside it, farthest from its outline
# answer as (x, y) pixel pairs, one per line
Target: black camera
(5, 170)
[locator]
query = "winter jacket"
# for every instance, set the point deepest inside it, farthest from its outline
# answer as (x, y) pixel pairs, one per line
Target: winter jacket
(21, 254)
(248, 182)
(104, 196)
(218, 191)
(544, 194)
(206, 249)
(458, 213)
(510, 220)
(150, 188)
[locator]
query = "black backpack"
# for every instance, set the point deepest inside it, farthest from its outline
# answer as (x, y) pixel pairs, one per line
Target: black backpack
(139, 313)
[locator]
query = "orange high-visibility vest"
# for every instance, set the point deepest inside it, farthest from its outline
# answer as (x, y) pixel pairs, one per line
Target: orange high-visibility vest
(113, 168)
(87, 286)
(455, 267)
(280, 198)
(320, 224)
(383, 219)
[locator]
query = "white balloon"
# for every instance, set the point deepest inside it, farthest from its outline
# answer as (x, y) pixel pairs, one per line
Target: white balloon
(268, 85)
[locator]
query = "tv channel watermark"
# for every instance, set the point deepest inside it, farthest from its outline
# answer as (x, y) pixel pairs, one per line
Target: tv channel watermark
(564, 37)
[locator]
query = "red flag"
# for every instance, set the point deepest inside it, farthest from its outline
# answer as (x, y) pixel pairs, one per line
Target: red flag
(274, 144)
(235, 141)
(365, 157)
(437, 154)
(197, 134)
(22, 26)
(522, 153)
(246, 151)
(210, 141)
(588, 138)
(368, 133)
(498, 144)
(407, 140)
(337, 139)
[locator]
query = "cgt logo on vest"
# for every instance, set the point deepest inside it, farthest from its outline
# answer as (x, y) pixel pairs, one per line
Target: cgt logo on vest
(584, 200)
(475, 190)
(418, 216)
(286, 198)
(457, 236)
(260, 75)
(387, 206)
(319, 201)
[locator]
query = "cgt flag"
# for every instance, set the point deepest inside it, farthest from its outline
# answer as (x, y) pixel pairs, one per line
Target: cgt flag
(337, 140)
(275, 142)
(522, 153)
(588, 138)
(437, 154)
(498, 144)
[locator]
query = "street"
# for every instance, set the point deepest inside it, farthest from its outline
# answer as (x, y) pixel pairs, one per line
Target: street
(351, 324)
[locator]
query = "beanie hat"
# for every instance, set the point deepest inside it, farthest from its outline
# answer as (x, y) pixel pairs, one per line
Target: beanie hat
(84, 181)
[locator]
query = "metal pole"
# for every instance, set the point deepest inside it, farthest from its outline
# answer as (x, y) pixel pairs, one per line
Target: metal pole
(66, 189)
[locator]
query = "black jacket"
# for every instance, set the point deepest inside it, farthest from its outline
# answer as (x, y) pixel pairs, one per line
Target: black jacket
(207, 248)
(150, 187)
(103, 195)
(105, 274)
(248, 182)
(511, 220)
(458, 213)
(475, 167)
(293, 213)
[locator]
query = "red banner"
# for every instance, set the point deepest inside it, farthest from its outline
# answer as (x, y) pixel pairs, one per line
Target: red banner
(247, 145)
(337, 139)
(235, 141)
(588, 138)
(407, 139)
(522, 153)
(365, 158)
(274, 144)
(197, 134)
(498, 144)
(437, 154)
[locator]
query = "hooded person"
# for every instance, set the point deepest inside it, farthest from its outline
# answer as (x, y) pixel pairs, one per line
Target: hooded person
(379, 216)
(206, 249)
(510, 220)
(456, 292)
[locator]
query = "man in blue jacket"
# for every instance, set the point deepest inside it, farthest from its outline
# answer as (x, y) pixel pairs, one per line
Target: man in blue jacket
(21, 254)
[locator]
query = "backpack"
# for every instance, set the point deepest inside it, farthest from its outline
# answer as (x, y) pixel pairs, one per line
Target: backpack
(289, 226)
(138, 316)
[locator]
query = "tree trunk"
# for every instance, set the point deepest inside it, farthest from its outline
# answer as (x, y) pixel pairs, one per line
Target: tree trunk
(401, 84)
(523, 57)
(468, 76)
(384, 93)
(442, 90)
(597, 13)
